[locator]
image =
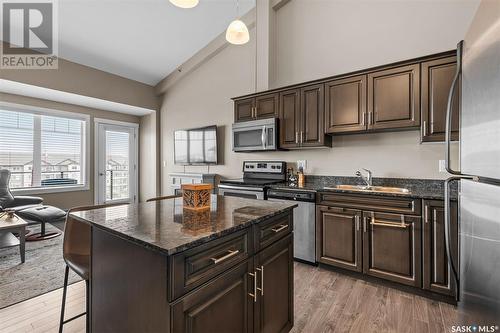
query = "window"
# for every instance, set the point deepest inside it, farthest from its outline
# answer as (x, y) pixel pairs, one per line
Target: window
(43, 150)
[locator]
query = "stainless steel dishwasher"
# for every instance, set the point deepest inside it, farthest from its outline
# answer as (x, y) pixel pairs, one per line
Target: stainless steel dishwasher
(304, 220)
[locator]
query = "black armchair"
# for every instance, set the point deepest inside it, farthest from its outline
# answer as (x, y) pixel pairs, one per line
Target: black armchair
(7, 200)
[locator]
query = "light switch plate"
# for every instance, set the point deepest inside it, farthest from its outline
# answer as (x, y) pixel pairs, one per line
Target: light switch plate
(442, 167)
(302, 163)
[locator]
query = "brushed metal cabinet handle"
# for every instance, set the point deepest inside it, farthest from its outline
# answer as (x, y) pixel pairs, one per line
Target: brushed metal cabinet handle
(279, 228)
(426, 214)
(364, 224)
(301, 137)
(261, 289)
(297, 137)
(389, 224)
(357, 222)
(256, 112)
(424, 128)
(254, 294)
(363, 116)
(230, 253)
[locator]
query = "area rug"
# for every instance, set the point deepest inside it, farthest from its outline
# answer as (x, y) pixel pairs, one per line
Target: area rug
(43, 270)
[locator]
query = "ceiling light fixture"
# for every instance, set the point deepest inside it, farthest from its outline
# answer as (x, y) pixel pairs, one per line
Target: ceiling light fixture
(185, 3)
(237, 31)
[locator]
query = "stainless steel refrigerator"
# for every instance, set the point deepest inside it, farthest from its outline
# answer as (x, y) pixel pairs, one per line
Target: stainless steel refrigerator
(477, 271)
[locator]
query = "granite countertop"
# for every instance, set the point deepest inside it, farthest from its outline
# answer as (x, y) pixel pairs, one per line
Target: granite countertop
(166, 227)
(418, 188)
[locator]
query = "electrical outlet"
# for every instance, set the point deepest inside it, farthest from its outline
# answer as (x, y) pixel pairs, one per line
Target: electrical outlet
(442, 167)
(302, 164)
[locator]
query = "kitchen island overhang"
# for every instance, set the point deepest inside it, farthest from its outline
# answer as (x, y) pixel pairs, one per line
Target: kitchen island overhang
(158, 267)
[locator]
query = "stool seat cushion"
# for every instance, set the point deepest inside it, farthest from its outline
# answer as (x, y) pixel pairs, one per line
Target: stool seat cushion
(41, 214)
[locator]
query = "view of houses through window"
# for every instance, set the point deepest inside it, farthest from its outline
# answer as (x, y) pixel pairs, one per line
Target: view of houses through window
(42, 150)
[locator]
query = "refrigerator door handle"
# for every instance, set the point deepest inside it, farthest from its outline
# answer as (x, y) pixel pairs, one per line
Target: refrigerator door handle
(449, 107)
(447, 226)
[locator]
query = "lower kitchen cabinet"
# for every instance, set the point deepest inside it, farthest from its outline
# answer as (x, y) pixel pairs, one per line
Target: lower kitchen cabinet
(273, 311)
(392, 247)
(254, 296)
(223, 305)
(339, 237)
(436, 271)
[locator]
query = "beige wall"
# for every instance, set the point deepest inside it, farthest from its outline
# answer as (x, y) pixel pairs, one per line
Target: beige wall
(318, 38)
(202, 97)
(87, 81)
(77, 198)
(147, 156)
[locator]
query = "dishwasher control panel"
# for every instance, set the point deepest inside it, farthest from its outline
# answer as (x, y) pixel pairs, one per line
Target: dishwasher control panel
(289, 194)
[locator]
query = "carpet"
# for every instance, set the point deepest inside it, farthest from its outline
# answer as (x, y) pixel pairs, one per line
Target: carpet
(43, 270)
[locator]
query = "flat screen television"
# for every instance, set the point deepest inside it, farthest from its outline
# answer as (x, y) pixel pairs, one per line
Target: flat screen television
(196, 146)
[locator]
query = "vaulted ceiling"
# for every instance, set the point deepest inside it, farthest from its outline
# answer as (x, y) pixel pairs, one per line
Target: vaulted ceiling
(143, 40)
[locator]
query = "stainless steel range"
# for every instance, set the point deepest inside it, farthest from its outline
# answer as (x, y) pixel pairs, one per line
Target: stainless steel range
(257, 176)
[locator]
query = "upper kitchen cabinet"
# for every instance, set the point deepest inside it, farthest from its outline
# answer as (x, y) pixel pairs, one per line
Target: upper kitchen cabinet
(394, 98)
(260, 107)
(312, 107)
(345, 105)
(301, 115)
(437, 77)
(289, 118)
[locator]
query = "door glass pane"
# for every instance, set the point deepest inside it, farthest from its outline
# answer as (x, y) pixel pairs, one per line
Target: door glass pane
(117, 165)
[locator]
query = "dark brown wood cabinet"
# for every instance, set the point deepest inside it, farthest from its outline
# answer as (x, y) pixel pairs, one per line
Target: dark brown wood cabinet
(339, 237)
(302, 118)
(289, 116)
(437, 77)
(394, 98)
(223, 305)
(436, 271)
(391, 247)
(273, 310)
(259, 107)
(312, 116)
(345, 105)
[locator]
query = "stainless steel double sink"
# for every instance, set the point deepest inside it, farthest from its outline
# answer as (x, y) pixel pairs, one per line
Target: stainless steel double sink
(365, 188)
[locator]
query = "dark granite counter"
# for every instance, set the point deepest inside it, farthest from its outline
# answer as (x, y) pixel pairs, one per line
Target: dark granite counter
(166, 227)
(418, 188)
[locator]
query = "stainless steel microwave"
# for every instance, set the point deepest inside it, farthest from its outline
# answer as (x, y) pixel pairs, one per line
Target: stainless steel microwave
(255, 135)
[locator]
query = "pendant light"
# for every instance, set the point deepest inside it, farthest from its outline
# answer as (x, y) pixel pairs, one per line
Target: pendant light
(237, 31)
(185, 3)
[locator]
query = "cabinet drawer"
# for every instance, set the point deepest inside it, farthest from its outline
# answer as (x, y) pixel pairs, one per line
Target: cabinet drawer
(372, 202)
(273, 229)
(191, 268)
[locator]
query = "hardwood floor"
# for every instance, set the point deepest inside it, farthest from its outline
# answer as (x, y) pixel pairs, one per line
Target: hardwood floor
(325, 301)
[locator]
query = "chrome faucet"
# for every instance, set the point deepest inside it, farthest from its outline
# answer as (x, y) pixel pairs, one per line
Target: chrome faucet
(367, 179)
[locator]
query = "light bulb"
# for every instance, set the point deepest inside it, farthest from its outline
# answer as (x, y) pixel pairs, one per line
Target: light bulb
(185, 3)
(237, 33)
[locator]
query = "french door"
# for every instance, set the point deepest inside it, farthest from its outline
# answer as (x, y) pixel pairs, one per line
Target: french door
(116, 162)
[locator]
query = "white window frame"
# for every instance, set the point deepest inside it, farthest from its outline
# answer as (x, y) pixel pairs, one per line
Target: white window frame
(85, 146)
(135, 185)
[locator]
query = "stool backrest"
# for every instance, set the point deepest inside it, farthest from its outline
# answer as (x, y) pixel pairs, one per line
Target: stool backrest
(164, 197)
(77, 233)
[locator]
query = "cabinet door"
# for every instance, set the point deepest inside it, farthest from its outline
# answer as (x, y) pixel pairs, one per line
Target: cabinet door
(274, 272)
(312, 109)
(289, 105)
(394, 98)
(338, 235)
(243, 109)
(437, 274)
(391, 247)
(437, 76)
(345, 105)
(222, 305)
(266, 106)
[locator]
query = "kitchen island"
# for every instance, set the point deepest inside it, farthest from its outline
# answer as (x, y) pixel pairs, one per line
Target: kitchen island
(158, 267)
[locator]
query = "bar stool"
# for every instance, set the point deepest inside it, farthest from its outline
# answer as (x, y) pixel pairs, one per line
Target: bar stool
(76, 254)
